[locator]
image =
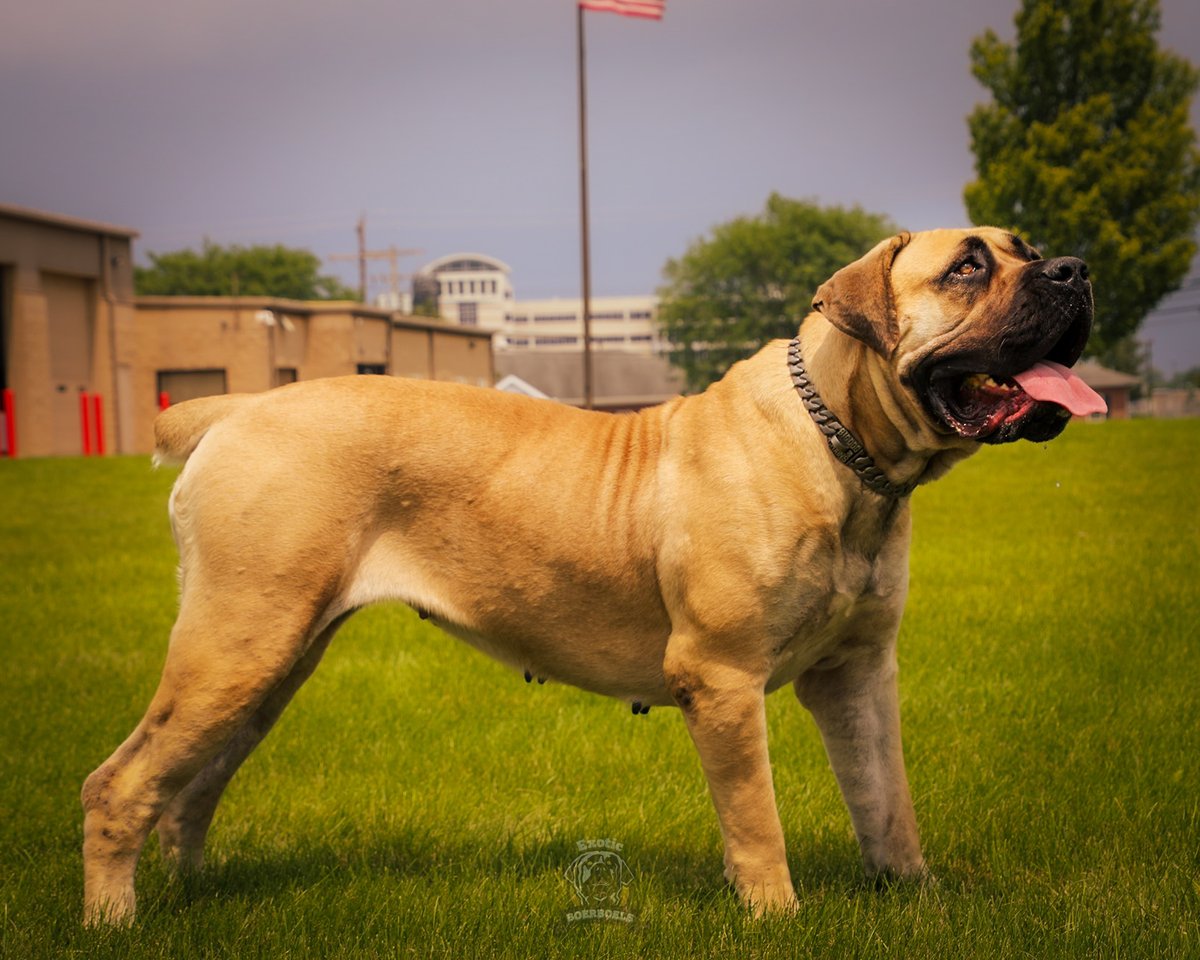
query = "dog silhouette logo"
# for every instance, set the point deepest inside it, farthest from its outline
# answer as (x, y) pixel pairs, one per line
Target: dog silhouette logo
(599, 878)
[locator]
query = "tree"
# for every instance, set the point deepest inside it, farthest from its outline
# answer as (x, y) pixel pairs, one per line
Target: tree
(754, 278)
(259, 271)
(1189, 378)
(1086, 149)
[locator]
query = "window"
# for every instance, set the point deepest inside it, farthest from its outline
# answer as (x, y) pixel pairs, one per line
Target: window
(520, 318)
(180, 385)
(639, 314)
(518, 341)
(285, 375)
(555, 341)
(376, 368)
(467, 315)
(608, 316)
(555, 318)
(640, 338)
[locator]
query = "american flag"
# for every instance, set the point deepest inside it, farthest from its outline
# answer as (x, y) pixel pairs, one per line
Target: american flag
(647, 9)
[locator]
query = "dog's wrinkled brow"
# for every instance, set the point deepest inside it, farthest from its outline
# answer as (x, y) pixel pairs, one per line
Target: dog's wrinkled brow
(1022, 249)
(970, 246)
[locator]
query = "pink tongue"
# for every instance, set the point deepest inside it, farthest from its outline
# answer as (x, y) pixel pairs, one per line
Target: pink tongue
(1056, 384)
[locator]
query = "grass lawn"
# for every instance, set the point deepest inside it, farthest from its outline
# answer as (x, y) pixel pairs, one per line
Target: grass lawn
(417, 799)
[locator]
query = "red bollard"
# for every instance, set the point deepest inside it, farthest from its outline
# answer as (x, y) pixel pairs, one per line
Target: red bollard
(10, 422)
(98, 409)
(164, 400)
(84, 425)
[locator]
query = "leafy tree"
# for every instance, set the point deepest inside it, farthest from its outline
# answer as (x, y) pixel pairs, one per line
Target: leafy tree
(259, 271)
(1086, 150)
(1186, 378)
(753, 279)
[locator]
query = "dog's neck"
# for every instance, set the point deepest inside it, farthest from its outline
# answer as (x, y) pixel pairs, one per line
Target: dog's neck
(859, 389)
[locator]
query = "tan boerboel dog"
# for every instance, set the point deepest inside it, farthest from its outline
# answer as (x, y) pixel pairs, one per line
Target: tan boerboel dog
(698, 554)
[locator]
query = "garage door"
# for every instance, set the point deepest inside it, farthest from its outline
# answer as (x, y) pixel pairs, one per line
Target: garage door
(71, 326)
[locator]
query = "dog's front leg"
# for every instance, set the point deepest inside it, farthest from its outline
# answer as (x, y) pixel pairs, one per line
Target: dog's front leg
(725, 713)
(856, 707)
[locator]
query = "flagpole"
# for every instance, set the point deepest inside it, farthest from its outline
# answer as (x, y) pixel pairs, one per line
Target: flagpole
(585, 253)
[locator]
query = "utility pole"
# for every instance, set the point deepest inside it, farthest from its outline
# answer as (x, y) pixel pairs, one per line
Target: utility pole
(584, 241)
(392, 254)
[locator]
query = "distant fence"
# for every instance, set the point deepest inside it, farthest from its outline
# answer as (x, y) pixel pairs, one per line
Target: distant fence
(1169, 402)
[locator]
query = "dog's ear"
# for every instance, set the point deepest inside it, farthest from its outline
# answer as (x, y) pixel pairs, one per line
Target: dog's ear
(858, 298)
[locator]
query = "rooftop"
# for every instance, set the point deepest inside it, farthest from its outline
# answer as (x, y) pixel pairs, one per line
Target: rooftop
(59, 220)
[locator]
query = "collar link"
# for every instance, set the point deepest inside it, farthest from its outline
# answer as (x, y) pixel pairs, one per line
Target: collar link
(843, 444)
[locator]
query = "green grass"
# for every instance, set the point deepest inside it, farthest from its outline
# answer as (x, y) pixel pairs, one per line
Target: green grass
(419, 800)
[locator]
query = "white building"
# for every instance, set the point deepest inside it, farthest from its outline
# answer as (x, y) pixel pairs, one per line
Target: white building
(618, 323)
(475, 290)
(472, 289)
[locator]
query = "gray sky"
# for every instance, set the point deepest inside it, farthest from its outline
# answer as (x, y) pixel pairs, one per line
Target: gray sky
(452, 123)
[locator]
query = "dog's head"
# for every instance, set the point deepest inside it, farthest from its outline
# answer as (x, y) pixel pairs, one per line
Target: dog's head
(975, 325)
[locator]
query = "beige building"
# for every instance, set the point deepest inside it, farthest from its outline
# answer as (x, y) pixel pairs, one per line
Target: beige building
(197, 346)
(66, 318)
(82, 357)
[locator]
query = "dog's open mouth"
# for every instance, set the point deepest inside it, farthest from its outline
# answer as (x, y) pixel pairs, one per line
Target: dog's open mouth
(981, 406)
(1015, 382)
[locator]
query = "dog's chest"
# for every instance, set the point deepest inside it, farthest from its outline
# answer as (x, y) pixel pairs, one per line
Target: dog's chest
(854, 597)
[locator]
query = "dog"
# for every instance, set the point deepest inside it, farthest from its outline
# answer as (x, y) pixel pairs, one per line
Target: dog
(698, 554)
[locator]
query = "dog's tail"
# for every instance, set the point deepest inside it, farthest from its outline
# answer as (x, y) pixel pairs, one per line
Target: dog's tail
(179, 429)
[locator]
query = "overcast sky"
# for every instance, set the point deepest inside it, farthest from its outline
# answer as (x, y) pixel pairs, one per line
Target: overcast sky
(452, 123)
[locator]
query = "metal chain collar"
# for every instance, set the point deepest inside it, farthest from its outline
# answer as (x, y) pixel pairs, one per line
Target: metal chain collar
(842, 443)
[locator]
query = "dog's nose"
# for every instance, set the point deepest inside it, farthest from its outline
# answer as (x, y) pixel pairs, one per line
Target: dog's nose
(1069, 270)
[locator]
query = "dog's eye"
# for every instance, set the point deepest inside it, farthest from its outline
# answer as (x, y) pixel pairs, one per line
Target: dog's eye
(968, 267)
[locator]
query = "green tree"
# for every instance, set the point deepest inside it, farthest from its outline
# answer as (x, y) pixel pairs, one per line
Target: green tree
(259, 271)
(1086, 149)
(1186, 378)
(754, 278)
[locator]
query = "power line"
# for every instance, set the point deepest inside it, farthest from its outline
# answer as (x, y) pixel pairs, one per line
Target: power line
(391, 254)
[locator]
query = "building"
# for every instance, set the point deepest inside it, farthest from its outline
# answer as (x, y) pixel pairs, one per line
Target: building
(626, 324)
(1115, 387)
(620, 381)
(66, 319)
(198, 346)
(475, 290)
(470, 289)
(82, 358)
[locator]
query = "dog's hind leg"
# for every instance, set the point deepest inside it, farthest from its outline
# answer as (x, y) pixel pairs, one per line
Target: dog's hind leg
(227, 653)
(184, 824)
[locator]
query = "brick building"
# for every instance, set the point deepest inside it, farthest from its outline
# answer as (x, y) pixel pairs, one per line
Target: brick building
(71, 328)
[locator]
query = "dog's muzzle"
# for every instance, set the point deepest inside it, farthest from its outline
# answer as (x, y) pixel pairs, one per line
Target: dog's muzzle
(1013, 381)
